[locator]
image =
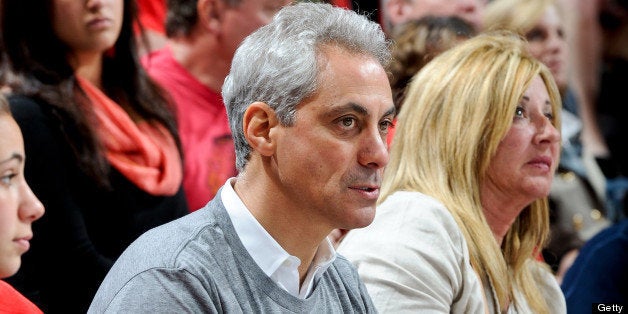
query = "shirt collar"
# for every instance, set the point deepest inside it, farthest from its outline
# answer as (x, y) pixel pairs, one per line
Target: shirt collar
(274, 261)
(262, 247)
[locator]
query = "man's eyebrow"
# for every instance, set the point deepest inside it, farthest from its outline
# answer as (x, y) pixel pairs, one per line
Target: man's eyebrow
(15, 156)
(391, 111)
(355, 107)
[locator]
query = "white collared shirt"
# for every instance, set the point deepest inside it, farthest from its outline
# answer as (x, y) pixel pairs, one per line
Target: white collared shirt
(276, 263)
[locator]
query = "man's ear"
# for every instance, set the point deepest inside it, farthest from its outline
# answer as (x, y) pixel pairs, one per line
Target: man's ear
(259, 120)
(211, 14)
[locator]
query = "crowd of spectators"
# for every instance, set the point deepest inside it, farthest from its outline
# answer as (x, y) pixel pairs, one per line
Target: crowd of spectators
(494, 154)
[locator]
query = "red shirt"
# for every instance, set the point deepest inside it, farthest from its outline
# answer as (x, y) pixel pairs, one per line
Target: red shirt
(152, 14)
(209, 153)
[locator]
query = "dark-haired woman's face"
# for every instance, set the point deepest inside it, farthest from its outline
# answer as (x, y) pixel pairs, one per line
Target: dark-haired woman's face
(87, 26)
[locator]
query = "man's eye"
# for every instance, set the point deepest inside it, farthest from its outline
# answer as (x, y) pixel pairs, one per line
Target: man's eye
(347, 122)
(384, 126)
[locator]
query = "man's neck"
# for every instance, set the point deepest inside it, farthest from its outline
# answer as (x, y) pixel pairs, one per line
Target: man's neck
(200, 58)
(284, 221)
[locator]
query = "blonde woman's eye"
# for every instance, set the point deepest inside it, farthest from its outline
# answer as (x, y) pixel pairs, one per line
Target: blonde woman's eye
(549, 116)
(519, 111)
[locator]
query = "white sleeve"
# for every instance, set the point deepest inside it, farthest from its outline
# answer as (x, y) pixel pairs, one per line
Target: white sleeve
(413, 258)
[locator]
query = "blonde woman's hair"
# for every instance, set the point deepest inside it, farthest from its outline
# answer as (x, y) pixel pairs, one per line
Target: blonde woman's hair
(457, 110)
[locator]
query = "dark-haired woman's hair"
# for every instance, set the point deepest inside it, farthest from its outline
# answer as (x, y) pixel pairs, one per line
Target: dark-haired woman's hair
(39, 69)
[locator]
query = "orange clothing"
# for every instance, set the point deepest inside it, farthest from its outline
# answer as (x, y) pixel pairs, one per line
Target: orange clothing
(145, 153)
(13, 302)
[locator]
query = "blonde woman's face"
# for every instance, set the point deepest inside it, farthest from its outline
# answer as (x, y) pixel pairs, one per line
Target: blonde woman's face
(18, 205)
(547, 43)
(523, 167)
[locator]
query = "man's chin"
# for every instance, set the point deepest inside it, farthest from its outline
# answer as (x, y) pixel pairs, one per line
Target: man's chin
(364, 218)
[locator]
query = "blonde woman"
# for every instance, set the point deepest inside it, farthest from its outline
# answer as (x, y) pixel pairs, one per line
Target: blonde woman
(463, 211)
(578, 189)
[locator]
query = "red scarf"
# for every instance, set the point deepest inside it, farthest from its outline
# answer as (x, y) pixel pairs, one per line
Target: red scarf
(144, 153)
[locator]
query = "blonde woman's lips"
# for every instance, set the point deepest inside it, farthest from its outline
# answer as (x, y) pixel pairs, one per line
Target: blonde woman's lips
(542, 162)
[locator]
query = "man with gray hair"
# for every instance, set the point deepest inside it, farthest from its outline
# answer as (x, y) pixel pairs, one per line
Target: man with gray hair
(309, 106)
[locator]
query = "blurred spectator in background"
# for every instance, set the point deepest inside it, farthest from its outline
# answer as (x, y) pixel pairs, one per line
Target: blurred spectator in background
(416, 42)
(101, 140)
(598, 42)
(396, 12)
(600, 273)
(203, 36)
(152, 17)
(610, 69)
